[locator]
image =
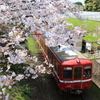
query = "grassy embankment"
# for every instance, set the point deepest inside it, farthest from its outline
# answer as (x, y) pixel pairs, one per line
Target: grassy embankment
(89, 25)
(22, 90)
(32, 46)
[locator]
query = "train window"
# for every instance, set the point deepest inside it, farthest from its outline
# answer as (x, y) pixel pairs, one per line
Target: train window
(67, 73)
(77, 73)
(57, 67)
(87, 67)
(87, 73)
(67, 68)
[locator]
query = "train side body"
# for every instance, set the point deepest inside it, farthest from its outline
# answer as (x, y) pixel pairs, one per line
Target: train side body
(71, 71)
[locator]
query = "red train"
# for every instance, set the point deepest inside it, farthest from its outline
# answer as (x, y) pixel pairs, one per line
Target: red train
(72, 71)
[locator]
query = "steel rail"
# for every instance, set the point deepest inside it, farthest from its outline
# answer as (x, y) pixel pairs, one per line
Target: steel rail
(83, 98)
(95, 85)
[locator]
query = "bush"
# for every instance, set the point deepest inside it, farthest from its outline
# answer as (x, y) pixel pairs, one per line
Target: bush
(20, 91)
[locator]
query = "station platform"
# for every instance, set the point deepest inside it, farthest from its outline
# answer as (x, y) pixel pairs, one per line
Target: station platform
(96, 71)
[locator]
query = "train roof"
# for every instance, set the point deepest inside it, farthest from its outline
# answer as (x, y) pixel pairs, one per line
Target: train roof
(66, 52)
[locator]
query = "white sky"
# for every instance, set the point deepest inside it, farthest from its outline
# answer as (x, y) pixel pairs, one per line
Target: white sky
(77, 1)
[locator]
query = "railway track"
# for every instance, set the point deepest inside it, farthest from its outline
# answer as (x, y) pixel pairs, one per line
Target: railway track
(95, 85)
(83, 98)
(76, 97)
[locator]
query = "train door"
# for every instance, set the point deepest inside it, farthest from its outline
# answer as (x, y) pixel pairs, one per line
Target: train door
(77, 77)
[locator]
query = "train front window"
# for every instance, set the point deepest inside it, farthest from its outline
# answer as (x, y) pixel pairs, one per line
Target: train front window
(67, 73)
(77, 73)
(87, 71)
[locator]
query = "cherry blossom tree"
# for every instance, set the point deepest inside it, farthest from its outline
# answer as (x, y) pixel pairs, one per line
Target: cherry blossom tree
(24, 17)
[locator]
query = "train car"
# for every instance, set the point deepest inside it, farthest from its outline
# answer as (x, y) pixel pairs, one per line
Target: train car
(72, 71)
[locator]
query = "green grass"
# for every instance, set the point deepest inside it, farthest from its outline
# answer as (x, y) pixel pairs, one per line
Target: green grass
(32, 46)
(89, 25)
(89, 38)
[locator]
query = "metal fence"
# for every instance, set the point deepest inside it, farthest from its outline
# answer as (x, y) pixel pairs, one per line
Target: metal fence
(91, 17)
(87, 15)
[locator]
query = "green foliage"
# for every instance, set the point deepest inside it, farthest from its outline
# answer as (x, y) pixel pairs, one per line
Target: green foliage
(87, 1)
(18, 97)
(92, 5)
(79, 3)
(20, 91)
(18, 68)
(3, 29)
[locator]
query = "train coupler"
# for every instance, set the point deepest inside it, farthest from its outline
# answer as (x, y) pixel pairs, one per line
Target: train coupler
(78, 92)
